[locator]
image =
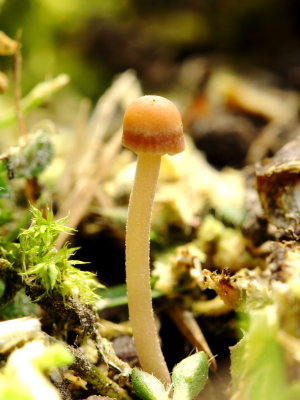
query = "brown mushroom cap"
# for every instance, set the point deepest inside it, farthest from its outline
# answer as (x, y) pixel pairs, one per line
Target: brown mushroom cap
(153, 124)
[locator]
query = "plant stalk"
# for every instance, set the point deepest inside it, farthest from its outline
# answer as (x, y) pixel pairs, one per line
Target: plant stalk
(138, 270)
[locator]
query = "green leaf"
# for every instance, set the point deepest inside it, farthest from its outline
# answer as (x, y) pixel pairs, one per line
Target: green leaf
(49, 275)
(257, 362)
(115, 296)
(147, 387)
(190, 376)
(55, 355)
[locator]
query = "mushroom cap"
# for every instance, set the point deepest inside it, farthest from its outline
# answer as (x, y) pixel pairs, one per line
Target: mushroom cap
(152, 124)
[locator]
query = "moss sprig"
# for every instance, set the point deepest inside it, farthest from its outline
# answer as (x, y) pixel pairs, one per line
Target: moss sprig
(54, 270)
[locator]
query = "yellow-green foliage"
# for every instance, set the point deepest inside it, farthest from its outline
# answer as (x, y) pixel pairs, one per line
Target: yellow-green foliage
(53, 269)
(257, 361)
(23, 376)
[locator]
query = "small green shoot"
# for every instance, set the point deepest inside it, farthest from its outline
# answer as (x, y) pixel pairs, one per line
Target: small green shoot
(257, 362)
(189, 378)
(53, 269)
(23, 376)
(147, 387)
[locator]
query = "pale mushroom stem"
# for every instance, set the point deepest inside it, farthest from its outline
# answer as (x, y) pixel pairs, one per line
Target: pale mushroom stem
(137, 267)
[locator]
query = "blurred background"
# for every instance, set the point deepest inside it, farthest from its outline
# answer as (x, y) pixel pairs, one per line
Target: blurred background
(93, 40)
(233, 69)
(175, 48)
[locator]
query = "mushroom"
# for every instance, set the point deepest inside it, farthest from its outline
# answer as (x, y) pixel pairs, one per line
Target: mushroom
(152, 127)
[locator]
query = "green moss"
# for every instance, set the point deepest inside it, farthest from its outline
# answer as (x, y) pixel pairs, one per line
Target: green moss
(42, 264)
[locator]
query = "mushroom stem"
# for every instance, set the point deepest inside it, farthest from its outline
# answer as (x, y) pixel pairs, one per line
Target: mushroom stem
(137, 267)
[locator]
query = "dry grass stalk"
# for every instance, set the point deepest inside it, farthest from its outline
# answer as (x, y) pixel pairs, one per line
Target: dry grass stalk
(96, 152)
(190, 329)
